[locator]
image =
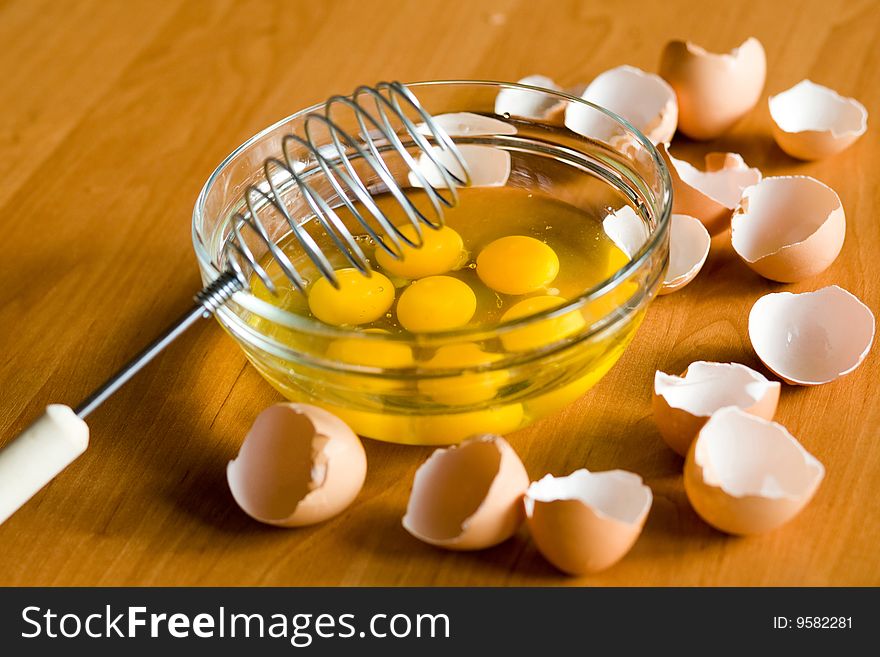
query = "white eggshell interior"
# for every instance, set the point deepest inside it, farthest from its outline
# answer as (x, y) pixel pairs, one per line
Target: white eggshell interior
(689, 243)
(465, 475)
(527, 103)
(707, 387)
(626, 229)
(746, 455)
(814, 337)
(725, 185)
(616, 494)
(810, 106)
(488, 166)
(463, 124)
(778, 212)
(639, 97)
(276, 467)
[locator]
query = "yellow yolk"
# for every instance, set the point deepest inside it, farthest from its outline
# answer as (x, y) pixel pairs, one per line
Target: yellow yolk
(386, 354)
(436, 303)
(541, 332)
(517, 265)
(440, 252)
(359, 300)
(466, 388)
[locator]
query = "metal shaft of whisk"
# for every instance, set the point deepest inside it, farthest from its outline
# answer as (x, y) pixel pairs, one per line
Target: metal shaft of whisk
(207, 302)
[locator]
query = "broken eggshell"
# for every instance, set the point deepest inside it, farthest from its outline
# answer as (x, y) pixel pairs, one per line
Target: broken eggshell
(688, 249)
(709, 195)
(488, 166)
(811, 121)
(682, 405)
(746, 475)
(529, 103)
(626, 229)
(464, 124)
(298, 465)
(714, 90)
(811, 338)
(587, 521)
(643, 99)
(469, 496)
(788, 228)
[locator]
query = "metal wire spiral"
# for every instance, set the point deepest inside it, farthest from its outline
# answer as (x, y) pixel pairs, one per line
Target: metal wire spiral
(389, 103)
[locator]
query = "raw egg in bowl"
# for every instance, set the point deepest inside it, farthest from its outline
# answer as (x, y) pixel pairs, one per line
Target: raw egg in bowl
(512, 309)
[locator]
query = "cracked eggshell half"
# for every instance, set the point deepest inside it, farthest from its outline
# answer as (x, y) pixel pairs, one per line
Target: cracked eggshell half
(811, 338)
(488, 167)
(643, 99)
(468, 124)
(298, 465)
(745, 475)
(587, 521)
(469, 496)
(788, 228)
(529, 103)
(689, 243)
(683, 404)
(711, 195)
(714, 90)
(811, 122)
(626, 229)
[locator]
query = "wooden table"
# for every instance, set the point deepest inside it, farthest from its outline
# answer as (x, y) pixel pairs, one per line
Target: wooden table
(114, 114)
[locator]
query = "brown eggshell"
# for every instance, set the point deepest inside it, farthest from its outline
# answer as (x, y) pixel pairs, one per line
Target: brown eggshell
(811, 338)
(714, 90)
(468, 496)
(298, 465)
(709, 195)
(587, 521)
(745, 475)
(788, 228)
(683, 405)
(689, 243)
(811, 122)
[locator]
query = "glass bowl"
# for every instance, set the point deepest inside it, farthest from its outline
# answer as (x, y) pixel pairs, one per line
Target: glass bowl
(580, 341)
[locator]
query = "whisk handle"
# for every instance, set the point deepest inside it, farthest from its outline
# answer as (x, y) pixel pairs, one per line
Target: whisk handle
(40, 452)
(33, 458)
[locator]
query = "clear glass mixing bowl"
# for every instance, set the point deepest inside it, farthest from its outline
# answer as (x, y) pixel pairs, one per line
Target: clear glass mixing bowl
(616, 166)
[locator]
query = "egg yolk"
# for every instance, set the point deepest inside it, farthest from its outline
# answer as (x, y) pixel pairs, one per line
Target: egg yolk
(543, 332)
(441, 251)
(354, 351)
(436, 303)
(517, 265)
(469, 387)
(358, 300)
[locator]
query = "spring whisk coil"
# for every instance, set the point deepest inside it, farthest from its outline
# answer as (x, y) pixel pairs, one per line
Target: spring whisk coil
(380, 126)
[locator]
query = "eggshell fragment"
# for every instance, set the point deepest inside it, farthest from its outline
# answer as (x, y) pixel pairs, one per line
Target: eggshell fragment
(626, 229)
(682, 405)
(528, 103)
(709, 195)
(746, 475)
(811, 121)
(488, 166)
(788, 228)
(811, 338)
(587, 521)
(298, 465)
(643, 99)
(688, 249)
(464, 124)
(469, 496)
(714, 90)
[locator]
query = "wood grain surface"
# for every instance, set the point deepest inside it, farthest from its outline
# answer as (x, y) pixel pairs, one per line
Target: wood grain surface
(113, 116)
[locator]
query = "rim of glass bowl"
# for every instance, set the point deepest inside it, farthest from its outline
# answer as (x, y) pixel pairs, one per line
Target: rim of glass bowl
(315, 327)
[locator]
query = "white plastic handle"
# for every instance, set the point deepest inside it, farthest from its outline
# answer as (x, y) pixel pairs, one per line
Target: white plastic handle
(34, 457)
